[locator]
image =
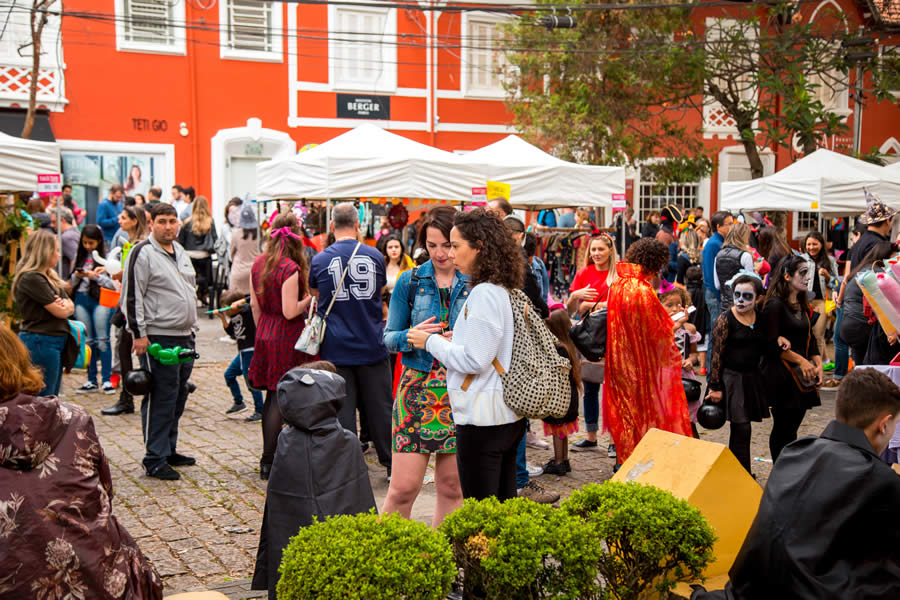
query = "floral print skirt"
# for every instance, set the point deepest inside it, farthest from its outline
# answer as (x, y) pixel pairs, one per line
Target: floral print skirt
(422, 420)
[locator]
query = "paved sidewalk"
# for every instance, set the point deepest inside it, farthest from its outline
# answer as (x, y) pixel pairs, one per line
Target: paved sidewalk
(202, 531)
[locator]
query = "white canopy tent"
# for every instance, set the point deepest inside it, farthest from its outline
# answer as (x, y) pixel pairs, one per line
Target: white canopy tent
(368, 162)
(539, 180)
(21, 161)
(893, 169)
(824, 182)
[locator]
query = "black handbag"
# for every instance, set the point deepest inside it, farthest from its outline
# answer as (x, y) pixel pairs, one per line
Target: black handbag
(589, 335)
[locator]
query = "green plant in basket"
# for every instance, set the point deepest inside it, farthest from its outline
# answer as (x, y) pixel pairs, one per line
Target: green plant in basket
(366, 557)
(654, 540)
(521, 550)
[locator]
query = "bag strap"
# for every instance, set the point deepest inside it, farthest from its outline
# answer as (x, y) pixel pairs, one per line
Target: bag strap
(496, 362)
(411, 289)
(337, 290)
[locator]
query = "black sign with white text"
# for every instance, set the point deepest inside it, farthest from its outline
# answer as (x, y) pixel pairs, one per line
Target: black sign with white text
(352, 106)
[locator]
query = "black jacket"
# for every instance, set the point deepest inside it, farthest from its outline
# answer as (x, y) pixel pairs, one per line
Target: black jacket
(827, 526)
(318, 471)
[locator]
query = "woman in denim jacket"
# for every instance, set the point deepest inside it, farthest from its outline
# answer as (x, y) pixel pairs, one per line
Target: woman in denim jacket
(422, 422)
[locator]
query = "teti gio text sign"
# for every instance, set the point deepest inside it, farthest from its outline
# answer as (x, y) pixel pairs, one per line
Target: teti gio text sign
(352, 106)
(149, 124)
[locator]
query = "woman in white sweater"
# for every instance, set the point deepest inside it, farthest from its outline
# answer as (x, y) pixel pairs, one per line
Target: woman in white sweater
(487, 430)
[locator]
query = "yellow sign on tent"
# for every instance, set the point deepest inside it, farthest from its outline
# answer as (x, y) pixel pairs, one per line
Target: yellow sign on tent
(497, 189)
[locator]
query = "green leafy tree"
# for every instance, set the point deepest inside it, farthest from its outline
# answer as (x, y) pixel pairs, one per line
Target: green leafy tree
(613, 90)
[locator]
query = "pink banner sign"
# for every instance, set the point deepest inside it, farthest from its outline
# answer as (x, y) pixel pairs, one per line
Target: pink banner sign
(49, 185)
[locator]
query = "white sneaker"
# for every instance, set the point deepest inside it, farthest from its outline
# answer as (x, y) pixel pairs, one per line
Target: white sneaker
(88, 388)
(534, 470)
(533, 441)
(108, 388)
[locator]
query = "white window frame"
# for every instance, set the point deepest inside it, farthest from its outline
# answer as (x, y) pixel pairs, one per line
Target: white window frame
(836, 100)
(468, 90)
(178, 19)
(641, 180)
(729, 153)
(387, 82)
(710, 105)
(799, 234)
(276, 32)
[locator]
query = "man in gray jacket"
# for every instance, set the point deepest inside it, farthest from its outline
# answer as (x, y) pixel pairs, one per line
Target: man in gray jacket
(159, 299)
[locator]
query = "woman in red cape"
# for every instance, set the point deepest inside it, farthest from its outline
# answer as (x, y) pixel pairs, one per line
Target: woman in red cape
(643, 367)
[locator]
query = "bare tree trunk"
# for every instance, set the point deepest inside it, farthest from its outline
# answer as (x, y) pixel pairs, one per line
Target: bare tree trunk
(38, 20)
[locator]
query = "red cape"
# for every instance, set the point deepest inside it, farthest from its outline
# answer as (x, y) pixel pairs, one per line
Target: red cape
(642, 386)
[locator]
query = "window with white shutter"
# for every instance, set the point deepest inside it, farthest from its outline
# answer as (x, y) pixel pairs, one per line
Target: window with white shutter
(362, 48)
(150, 26)
(483, 62)
(250, 30)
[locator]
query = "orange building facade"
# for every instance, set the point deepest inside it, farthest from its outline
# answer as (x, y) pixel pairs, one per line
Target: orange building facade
(196, 92)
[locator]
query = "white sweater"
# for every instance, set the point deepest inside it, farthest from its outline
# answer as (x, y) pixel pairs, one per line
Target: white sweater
(483, 331)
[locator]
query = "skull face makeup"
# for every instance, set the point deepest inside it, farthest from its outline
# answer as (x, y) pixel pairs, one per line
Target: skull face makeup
(744, 297)
(800, 279)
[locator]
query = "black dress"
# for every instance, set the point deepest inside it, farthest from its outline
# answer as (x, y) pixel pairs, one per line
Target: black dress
(735, 367)
(796, 327)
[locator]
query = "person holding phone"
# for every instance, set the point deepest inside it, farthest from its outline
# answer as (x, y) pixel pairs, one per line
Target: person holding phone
(590, 290)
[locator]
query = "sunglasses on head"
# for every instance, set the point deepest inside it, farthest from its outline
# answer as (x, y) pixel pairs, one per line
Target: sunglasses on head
(748, 296)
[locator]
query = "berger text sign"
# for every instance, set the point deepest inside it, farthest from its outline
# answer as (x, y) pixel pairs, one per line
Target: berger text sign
(353, 106)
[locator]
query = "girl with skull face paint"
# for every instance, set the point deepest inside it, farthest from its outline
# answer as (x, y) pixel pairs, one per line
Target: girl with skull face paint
(735, 377)
(787, 313)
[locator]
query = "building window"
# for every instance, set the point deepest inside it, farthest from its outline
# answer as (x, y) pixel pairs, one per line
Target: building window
(363, 48)
(250, 30)
(483, 61)
(832, 91)
(717, 122)
(805, 222)
(653, 196)
(150, 26)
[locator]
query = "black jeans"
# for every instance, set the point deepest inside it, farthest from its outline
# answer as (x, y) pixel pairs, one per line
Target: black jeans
(785, 423)
(162, 408)
(126, 341)
(203, 269)
(855, 334)
(486, 458)
(369, 390)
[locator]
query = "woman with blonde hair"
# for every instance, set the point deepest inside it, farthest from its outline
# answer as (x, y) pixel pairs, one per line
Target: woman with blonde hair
(198, 236)
(590, 289)
(733, 258)
(45, 307)
(690, 250)
(57, 493)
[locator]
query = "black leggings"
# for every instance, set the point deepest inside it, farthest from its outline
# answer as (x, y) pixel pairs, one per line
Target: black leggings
(739, 444)
(486, 458)
(271, 426)
(785, 423)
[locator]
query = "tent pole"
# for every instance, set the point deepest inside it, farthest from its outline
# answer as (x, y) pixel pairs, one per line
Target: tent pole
(59, 264)
(327, 215)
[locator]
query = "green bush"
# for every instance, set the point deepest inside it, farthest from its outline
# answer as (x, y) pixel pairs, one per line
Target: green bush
(367, 557)
(521, 550)
(654, 540)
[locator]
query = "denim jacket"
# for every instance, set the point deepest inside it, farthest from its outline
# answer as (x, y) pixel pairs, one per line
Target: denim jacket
(427, 304)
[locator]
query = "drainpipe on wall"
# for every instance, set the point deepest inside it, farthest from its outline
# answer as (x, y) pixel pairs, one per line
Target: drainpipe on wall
(192, 74)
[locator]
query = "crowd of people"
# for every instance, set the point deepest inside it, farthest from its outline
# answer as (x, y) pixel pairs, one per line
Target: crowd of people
(413, 351)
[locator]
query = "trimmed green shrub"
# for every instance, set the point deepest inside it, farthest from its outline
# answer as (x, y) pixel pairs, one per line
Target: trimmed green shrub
(654, 540)
(367, 557)
(521, 550)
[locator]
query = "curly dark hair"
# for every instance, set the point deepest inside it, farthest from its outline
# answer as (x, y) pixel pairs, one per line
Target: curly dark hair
(500, 260)
(648, 253)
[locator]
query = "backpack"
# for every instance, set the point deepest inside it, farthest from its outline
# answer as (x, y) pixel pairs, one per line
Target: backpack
(77, 353)
(537, 383)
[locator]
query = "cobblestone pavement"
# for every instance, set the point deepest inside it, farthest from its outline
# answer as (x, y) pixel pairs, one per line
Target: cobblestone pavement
(202, 531)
